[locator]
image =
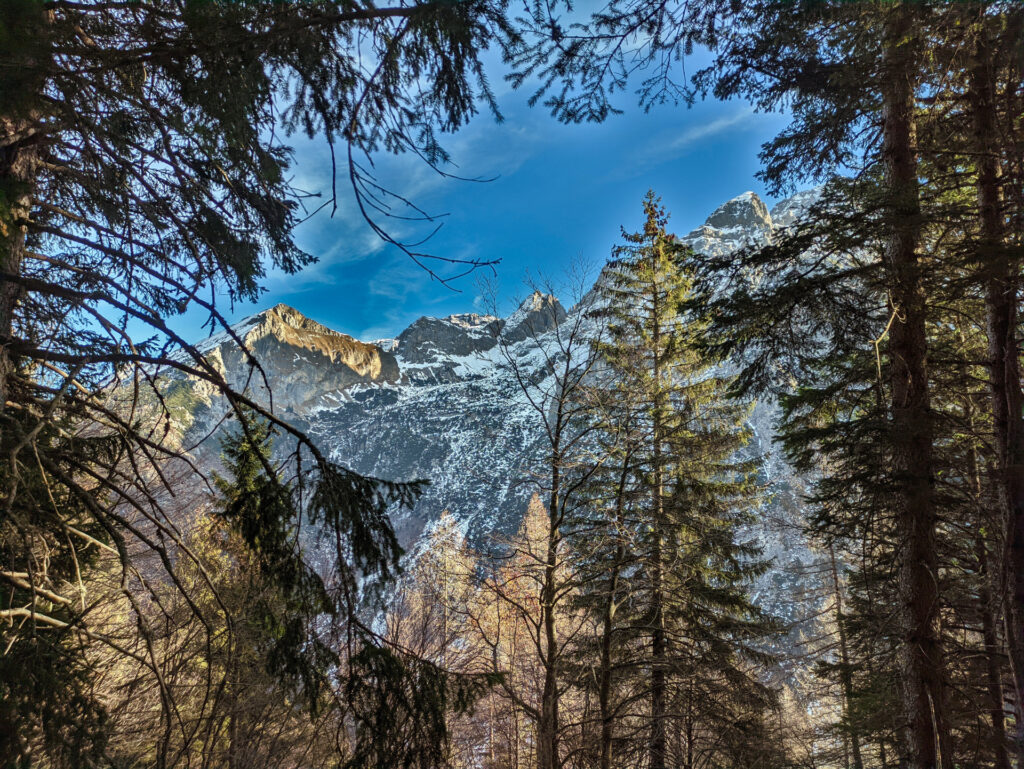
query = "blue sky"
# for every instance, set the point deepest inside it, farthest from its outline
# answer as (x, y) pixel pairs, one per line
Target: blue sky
(560, 197)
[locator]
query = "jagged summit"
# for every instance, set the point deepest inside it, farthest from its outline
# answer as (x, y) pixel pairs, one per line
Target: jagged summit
(786, 212)
(746, 211)
(735, 223)
(536, 314)
(280, 320)
(470, 320)
(431, 340)
(300, 359)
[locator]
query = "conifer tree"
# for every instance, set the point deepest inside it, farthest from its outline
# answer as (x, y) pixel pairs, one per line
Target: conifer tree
(854, 317)
(839, 68)
(688, 601)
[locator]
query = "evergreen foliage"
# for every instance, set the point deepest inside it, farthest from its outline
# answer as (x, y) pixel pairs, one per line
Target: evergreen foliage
(685, 626)
(867, 319)
(155, 615)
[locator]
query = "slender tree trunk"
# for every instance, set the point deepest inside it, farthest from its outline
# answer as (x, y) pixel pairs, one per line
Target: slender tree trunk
(846, 675)
(605, 680)
(604, 695)
(233, 741)
(992, 673)
(658, 655)
(689, 732)
(989, 613)
(911, 417)
(547, 728)
(605, 677)
(1004, 367)
(658, 642)
(18, 161)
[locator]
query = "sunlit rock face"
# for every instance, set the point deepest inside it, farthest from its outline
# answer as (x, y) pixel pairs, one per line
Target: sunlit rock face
(747, 211)
(440, 401)
(294, 359)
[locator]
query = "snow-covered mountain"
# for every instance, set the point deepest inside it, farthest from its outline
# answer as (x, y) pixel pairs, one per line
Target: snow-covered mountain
(440, 401)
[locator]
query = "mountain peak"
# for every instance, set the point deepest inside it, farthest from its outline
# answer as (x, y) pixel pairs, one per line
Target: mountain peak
(747, 211)
(282, 319)
(537, 313)
(304, 358)
(470, 320)
(787, 212)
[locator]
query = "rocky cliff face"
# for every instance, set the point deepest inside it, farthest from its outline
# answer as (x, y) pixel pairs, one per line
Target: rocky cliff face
(440, 402)
(298, 358)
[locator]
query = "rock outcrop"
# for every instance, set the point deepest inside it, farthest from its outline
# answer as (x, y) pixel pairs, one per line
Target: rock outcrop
(298, 358)
(536, 315)
(743, 220)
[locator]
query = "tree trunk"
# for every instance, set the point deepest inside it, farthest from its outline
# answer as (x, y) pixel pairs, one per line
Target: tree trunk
(658, 654)
(658, 641)
(605, 677)
(547, 728)
(18, 160)
(989, 611)
(992, 673)
(911, 418)
(1003, 352)
(846, 674)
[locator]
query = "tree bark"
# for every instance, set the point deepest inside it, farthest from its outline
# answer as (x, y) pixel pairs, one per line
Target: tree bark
(605, 676)
(18, 161)
(911, 420)
(608, 628)
(1004, 368)
(658, 642)
(988, 609)
(846, 674)
(991, 645)
(547, 729)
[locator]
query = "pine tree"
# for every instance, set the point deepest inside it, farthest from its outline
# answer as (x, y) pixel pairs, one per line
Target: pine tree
(687, 596)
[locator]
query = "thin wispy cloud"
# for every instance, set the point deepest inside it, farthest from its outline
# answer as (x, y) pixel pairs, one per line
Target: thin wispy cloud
(668, 147)
(696, 133)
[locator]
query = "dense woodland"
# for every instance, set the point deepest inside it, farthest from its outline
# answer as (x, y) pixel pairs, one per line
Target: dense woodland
(155, 612)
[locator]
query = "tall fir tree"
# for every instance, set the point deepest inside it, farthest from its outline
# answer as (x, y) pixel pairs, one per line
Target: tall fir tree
(688, 601)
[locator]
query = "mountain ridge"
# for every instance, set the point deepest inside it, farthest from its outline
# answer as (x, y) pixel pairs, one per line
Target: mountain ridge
(443, 404)
(740, 220)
